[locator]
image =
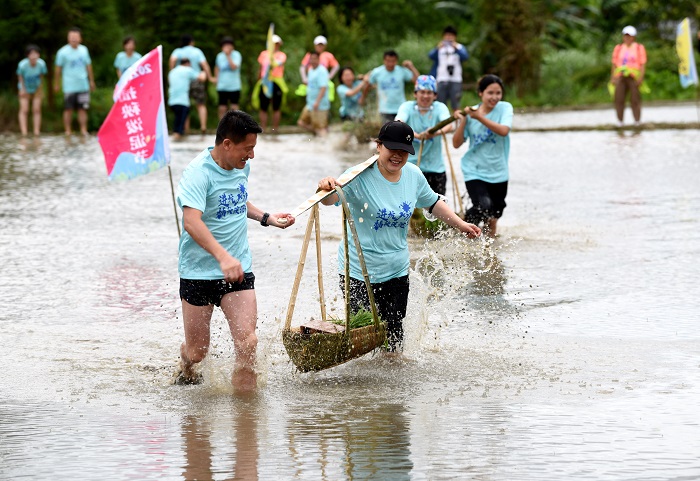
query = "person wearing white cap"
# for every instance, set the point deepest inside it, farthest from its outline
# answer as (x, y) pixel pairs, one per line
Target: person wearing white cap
(627, 73)
(279, 87)
(326, 59)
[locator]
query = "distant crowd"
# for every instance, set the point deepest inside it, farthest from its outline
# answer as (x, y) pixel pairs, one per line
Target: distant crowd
(189, 72)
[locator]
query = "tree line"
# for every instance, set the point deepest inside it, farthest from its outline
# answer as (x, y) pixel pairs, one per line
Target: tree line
(510, 37)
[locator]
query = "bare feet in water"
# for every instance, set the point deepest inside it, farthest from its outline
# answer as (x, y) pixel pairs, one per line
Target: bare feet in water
(244, 380)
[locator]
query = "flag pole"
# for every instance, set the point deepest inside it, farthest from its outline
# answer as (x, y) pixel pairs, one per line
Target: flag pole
(172, 192)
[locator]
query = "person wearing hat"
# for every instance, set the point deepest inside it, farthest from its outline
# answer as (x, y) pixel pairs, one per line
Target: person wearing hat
(381, 200)
(421, 115)
(326, 59)
(485, 164)
(629, 59)
(227, 76)
(279, 87)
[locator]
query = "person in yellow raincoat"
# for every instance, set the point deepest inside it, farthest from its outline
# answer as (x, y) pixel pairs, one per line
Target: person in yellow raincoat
(627, 74)
(279, 87)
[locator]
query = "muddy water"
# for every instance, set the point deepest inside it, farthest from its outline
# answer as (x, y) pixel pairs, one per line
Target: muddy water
(567, 349)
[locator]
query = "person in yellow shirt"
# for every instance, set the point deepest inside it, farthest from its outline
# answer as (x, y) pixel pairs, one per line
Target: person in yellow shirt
(627, 74)
(279, 87)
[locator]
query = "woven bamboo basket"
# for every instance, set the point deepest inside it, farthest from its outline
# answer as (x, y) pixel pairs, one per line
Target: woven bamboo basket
(322, 350)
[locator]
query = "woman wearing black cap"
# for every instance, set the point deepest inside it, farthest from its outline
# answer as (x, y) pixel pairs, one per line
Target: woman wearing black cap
(381, 201)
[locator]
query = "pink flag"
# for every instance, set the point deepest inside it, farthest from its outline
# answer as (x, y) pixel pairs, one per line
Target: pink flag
(134, 136)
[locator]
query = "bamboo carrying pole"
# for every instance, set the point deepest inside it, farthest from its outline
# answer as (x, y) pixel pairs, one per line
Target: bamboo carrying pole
(300, 270)
(420, 153)
(172, 191)
(455, 185)
(360, 257)
(448, 121)
(317, 221)
(348, 221)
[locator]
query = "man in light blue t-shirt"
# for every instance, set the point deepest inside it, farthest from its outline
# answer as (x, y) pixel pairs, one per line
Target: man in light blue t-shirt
(390, 80)
(30, 73)
(215, 262)
(314, 116)
(227, 75)
(198, 89)
(128, 57)
(74, 70)
(421, 115)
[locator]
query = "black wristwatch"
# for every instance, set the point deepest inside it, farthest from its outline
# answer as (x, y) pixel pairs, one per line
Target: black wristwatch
(263, 221)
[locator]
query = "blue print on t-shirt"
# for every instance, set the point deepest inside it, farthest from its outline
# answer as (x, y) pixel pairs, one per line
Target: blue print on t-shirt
(487, 136)
(232, 203)
(389, 218)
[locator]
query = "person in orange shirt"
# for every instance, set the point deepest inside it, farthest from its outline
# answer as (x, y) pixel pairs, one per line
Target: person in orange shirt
(279, 87)
(627, 74)
(326, 59)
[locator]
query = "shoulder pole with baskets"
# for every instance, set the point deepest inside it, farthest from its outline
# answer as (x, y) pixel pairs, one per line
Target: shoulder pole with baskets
(315, 351)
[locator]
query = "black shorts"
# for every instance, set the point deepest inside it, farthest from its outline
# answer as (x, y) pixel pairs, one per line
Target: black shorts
(488, 200)
(226, 96)
(198, 92)
(276, 98)
(204, 292)
(437, 182)
(76, 101)
(391, 299)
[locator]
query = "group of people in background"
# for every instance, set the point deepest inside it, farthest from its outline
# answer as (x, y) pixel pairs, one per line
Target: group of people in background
(318, 71)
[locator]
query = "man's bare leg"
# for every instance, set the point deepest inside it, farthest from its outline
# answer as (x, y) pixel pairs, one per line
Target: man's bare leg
(82, 120)
(36, 113)
(263, 119)
(196, 320)
(67, 118)
(492, 226)
(23, 112)
(241, 310)
(202, 111)
(276, 117)
(305, 126)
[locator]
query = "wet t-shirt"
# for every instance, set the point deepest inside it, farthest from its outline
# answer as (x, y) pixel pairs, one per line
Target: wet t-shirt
(221, 195)
(431, 155)
(390, 87)
(73, 63)
(31, 75)
(382, 211)
(487, 156)
(229, 80)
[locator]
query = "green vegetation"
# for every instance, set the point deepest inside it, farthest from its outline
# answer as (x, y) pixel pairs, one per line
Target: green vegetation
(361, 318)
(549, 53)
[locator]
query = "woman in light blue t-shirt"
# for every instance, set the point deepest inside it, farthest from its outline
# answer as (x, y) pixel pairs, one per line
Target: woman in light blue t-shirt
(381, 200)
(485, 164)
(350, 92)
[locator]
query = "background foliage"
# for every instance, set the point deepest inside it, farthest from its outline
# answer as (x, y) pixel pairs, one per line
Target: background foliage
(548, 52)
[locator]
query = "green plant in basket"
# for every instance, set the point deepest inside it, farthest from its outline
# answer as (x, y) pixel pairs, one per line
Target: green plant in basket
(361, 318)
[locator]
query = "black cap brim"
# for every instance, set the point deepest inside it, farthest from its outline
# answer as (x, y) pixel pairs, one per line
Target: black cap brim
(399, 146)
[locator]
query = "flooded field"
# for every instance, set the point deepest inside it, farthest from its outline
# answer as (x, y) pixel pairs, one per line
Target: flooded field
(569, 348)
